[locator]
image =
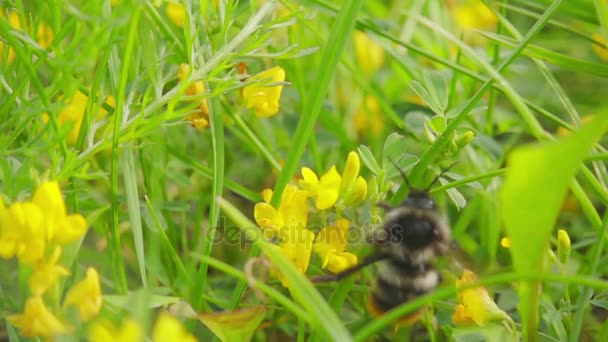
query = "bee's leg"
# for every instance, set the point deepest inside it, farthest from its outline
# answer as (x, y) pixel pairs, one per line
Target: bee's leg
(339, 276)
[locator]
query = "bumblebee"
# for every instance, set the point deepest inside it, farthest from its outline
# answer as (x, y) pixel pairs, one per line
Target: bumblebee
(414, 234)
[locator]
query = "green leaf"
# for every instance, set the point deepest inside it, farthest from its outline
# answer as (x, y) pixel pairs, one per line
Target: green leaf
(535, 183)
(234, 326)
(434, 92)
(367, 156)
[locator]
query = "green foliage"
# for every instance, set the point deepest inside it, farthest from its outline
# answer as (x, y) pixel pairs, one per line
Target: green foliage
(508, 116)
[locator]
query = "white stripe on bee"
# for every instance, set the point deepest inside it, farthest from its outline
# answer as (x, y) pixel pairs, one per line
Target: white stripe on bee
(425, 281)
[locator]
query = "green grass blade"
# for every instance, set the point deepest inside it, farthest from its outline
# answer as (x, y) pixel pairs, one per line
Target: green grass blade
(340, 33)
(321, 314)
(564, 61)
(132, 194)
(119, 272)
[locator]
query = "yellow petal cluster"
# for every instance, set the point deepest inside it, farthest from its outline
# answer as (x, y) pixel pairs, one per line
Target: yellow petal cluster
(176, 13)
(34, 231)
(471, 15)
(200, 118)
(370, 55)
(27, 228)
(38, 320)
(290, 215)
(86, 296)
(44, 34)
(262, 94)
(167, 328)
(72, 114)
(330, 245)
(475, 306)
(368, 119)
(46, 273)
(353, 188)
(349, 187)
(104, 331)
(325, 190)
(287, 223)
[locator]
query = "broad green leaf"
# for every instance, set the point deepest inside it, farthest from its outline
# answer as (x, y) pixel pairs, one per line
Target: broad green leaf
(535, 184)
(394, 147)
(234, 326)
(367, 156)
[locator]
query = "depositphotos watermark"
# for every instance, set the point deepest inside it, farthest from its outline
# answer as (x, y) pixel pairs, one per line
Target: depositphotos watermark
(232, 235)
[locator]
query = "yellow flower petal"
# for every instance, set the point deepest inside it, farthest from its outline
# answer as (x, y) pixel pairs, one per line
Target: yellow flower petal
(48, 198)
(263, 98)
(46, 273)
(176, 13)
(267, 217)
(340, 261)
(476, 305)
(23, 233)
(104, 331)
(45, 35)
(351, 171)
(330, 245)
(267, 195)
(167, 328)
(370, 55)
(86, 296)
(38, 321)
(357, 194)
(309, 181)
(297, 249)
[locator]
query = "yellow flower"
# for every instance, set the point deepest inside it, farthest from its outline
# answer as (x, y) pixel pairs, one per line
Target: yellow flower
(564, 246)
(471, 15)
(368, 119)
(73, 114)
(167, 328)
(296, 247)
(46, 273)
(45, 35)
(15, 23)
(505, 242)
(264, 97)
(600, 50)
(26, 228)
(86, 295)
(176, 13)
(22, 232)
(353, 188)
(38, 321)
(350, 188)
(330, 245)
(475, 304)
(370, 55)
(105, 331)
(326, 189)
(291, 214)
(200, 118)
(60, 227)
(288, 224)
